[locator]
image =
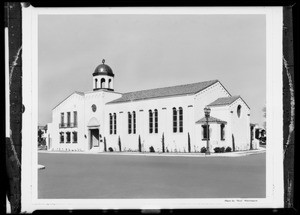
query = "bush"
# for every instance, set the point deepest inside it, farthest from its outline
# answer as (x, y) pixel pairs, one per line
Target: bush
(110, 149)
(151, 149)
(203, 150)
(217, 150)
(228, 149)
(222, 149)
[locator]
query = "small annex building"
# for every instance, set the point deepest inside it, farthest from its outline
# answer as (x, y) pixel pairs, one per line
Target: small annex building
(169, 117)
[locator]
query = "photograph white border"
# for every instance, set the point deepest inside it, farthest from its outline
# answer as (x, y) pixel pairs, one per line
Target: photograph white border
(274, 151)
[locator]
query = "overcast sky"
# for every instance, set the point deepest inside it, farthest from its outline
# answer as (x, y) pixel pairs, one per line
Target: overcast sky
(150, 51)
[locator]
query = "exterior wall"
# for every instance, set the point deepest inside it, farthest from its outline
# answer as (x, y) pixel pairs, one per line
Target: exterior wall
(173, 141)
(75, 102)
(202, 99)
(240, 126)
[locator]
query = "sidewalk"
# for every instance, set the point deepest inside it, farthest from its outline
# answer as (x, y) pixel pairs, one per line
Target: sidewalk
(168, 154)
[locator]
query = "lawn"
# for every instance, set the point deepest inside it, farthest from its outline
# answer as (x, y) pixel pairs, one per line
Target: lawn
(130, 176)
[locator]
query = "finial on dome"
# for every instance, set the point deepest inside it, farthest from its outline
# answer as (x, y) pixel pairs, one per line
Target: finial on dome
(103, 61)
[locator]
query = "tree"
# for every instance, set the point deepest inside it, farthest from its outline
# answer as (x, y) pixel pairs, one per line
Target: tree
(163, 143)
(140, 144)
(104, 144)
(40, 136)
(119, 142)
(189, 142)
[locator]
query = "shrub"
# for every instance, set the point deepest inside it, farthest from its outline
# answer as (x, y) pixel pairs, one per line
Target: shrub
(203, 150)
(140, 144)
(222, 149)
(163, 142)
(228, 149)
(151, 149)
(105, 144)
(189, 142)
(217, 150)
(119, 143)
(110, 149)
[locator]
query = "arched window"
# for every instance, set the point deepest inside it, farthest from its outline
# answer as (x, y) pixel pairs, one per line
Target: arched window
(110, 124)
(115, 123)
(180, 119)
(96, 83)
(222, 126)
(102, 83)
(150, 121)
(61, 137)
(239, 110)
(155, 121)
(134, 122)
(129, 123)
(174, 120)
(109, 83)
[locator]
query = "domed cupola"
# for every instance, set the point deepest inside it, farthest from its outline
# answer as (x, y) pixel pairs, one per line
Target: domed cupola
(103, 77)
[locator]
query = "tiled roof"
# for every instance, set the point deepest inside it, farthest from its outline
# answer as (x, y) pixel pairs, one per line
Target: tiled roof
(210, 120)
(224, 101)
(164, 92)
(76, 92)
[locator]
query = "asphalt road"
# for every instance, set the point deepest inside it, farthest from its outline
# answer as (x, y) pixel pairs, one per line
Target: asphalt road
(114, 176)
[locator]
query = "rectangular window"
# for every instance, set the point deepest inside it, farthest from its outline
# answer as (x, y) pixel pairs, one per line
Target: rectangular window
(129, 123)
(68, 119)
(180, 120)
(62, 119)
(150, 122)
(115, 123)
(110, 124)
(222, 127)
(174, 120)
(134, 123)
(155, 121)
(68, 137)
(74, 137)
(205, 132)
(61, 137)
(75, 118)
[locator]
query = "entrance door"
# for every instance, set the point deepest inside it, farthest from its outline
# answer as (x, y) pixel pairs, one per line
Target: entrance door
(94, 138)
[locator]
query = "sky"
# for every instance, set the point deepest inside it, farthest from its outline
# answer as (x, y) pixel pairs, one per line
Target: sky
(151, 51)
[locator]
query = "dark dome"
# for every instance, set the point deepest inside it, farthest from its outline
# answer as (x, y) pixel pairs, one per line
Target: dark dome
(103, 69)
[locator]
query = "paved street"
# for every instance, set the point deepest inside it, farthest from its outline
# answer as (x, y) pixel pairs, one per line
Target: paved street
(114, 176)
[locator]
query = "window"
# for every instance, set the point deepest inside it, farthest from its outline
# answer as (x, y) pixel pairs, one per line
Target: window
(68, 137)
(102, 83)
(115, 123)
(110, 124)
(155, 121)
(68, 119)
(74, 137)
(239, 110)
(180, 120)
(96, 80)
(109, 83)
(222, 131)
(75, 118)
(129, 123)
(134, 122)
(205, 132)
(150, 122)
(61, 137)
(62, 117)
(174, 120)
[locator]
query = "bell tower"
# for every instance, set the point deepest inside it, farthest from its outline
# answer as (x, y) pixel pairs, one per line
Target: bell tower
(103, 77)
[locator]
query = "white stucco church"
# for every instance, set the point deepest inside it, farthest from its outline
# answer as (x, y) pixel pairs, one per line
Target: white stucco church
(169, 117)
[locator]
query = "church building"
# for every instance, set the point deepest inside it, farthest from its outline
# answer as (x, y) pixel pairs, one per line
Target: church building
(168, 119)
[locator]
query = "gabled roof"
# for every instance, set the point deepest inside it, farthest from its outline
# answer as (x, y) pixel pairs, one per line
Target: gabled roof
(76, 92)
(211, 120)
(186, 89)
(224, 101)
